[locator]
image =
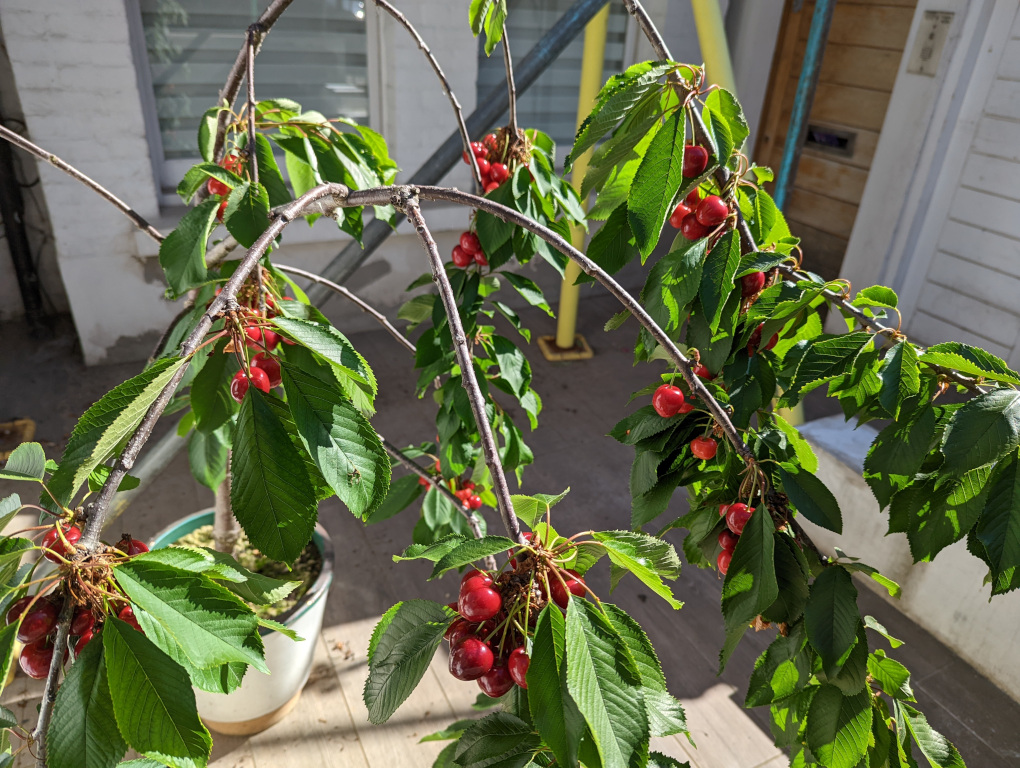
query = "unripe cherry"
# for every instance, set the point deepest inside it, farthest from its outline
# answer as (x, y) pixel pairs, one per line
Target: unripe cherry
(470, 659)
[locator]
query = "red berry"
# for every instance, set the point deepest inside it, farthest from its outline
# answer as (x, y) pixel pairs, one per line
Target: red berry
(485, 579)
(677, 217)
(712, 211)
(82, 622)
(458, 629)
(723, 561)
(693, 229)
(17, 609)
(479, 604)
(483, 166)
(667, 400)
(497, 681)
(574, 586)
(480, 259)
(38, 622)
(467, 484)
(490, 141)
(217, 187)
(695, 160)
(465, 157)
(752, 284)
(423, 481)
(727, 540)
(36, 657)
(475, 502)
(702, 372)
(470, 659)
(518, 665)
(83, 640)
(239, 386)
(270, 338)
(231, 162)
(499, 172)
(685, 408)
(470, 243)
(693, 199)
(221, 210)
(52, 542)
(270, 365)
(754, 343)
(737, 516)
(461, 258)
(127, 615)
(254, 334)
(463, 494)
(479, 149)
(704, 447)
(491, 186)
(722, 509)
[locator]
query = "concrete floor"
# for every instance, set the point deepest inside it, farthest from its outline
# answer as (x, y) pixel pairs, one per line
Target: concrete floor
(46, 381)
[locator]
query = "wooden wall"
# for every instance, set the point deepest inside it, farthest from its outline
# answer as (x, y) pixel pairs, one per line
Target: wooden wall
(862, 57)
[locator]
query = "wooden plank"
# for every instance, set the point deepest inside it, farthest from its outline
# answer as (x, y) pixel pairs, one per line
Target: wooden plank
(830, 176)
(975, 280)
(925, 328)
(821, 212)
(966, 241)
(987, 211)
(773, 128)
(892, 3)
(865, 143)
(850, 106)
(823, 253)
(1004, 99)
(1009, 64)
(969, 314)
(872, 26)
(1000, 138)
(855, 65)
(992, 175)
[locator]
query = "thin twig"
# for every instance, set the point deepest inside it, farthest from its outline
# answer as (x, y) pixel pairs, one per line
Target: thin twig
(50, 692)
(467, 369)
(139, 221)
(220, 251)
(253, 159)
(457, 112)
(361, 303)
(511, 88)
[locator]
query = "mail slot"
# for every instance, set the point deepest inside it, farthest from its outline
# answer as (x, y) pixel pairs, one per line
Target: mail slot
(831, 141)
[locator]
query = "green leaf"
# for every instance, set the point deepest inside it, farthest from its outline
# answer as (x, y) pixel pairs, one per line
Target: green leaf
(9, 507)
(825, 360)
(717, 277)
(107, 424)
(198, 176)
(648, 558)
(470, 551)
(401, 654)
(949, 511)
(891, 675)
(831, 616)
(999, 526)
(801, 447)
(656, 183)
(556, 716)
(531, 508)
(792, 574)
(900, 377)
(153, 701)
(341, 442)
(970, 360)
(726, 121)
(750, 585)
(435, 551)
(249, 586)
(26, 462)
(604, 681)
(401, 494)
(8, 639)
(810, 497)
(98, 477)
(514, 368)
(206, 620)
(983, 430)
(673, 283)
(529, 291)
(207, 457)
(327, 341)
(83, 732)
(247, 214)
(211, 401)
(939, 751)
(269, 174)
(613, 246)
(270, 494)
(897, 453)
(781, 671)
(838, 727)
(872, 623)
(499, 740)
(182, 253)
(659, 760)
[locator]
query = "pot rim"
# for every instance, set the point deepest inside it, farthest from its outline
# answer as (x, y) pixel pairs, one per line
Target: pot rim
(317, 590)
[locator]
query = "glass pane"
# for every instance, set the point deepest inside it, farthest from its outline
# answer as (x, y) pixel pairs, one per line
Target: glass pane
(316, 55)
(550, 104)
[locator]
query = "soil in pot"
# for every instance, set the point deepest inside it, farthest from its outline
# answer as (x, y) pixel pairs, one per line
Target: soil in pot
(306, 568)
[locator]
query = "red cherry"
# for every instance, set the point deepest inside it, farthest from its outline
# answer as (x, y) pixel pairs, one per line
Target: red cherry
(727, 540)
(36, 657)
(491, 186)
(83, 640)
(712, 211)
(737, 516)
(469, 242)
(458, 629)
(723, 561)
(423, 481)
(497, 681)
(479, 149)
(483, 166)
(270, 365)
(82, 622)
(52, 542)
(221, 210)
(127, 615)
(464, 156)
(499, 173)
(483, 579)
(467, 484)
(702, 372)
(475, 502)
(752, 284)
(17, 609)
(231, 162)
(754, 343)
(722, 509)
(695, 160)
(704, 447)
(480, 259)
(667, 400)
(470, 659)
(239, 386)
(693, 199)
(490, 141)
(38, 621)
(254, 334)
(479, 604)
(685, 408)
(693, 229)
(574, 586)
(461, 258)
(270, 338)
(217, 187)
(678, 215)
(518, 664)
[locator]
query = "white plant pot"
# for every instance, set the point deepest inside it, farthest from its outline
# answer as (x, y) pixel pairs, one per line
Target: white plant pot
(262, 699)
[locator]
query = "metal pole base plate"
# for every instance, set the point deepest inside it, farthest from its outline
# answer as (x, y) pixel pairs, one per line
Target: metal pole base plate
(580, 350)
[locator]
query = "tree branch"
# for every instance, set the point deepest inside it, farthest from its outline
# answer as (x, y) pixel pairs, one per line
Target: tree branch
(511, 88)
(467, 371)
(457, 112)
(52, 676)
(361, 303)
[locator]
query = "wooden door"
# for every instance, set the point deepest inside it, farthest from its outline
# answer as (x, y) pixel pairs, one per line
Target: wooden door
(862, 57)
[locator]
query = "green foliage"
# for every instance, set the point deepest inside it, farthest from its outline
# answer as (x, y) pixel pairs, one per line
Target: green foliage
(182, 253)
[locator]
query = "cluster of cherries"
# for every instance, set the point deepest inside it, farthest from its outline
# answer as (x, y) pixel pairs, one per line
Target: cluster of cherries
(264, 369)
(468, 493)
(487, 643)
(217, 188)
(490, 164)
(37, 615)
(468, 251)
(669, 401)
(737, 515)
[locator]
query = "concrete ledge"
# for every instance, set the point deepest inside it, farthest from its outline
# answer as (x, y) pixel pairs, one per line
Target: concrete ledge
(946, 597)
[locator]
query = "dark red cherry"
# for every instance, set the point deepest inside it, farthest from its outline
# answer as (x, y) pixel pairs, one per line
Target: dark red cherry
(82, 622)
(574, 586)
(723, 560)
(36, 657)
(52, 542)
(695, 160)
(518, 664)
(479, 604)
(693, 229)
(678, 215)
(17, 608)
(727, 540)
(712, 211)
(470, 659)
(752, 284)
(469, 242)
(38, 621)
(497, 681)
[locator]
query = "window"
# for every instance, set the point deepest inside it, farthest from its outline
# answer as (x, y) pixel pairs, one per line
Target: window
(550, 104)
(316, 55)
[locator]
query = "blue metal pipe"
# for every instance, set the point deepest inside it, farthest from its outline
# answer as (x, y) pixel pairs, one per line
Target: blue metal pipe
(818, 35)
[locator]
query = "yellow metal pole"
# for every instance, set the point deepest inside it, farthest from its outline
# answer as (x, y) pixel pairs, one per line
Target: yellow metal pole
(591, 82)
(715, 50)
